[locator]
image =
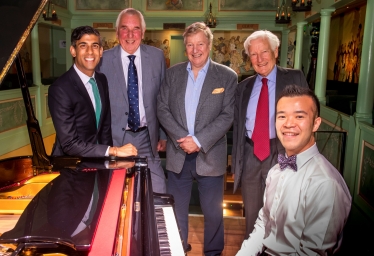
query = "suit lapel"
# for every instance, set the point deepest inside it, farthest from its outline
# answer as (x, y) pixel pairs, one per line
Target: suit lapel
(281, 81)
(82, 90)
(182, 75)
(246, 96)
(118, 68)
(209, 85)
(146, 76)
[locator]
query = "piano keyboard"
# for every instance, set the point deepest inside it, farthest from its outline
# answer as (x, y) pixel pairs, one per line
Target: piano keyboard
(168, 233)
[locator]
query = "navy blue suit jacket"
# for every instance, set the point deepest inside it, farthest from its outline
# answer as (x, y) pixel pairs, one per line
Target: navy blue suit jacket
(74, 118)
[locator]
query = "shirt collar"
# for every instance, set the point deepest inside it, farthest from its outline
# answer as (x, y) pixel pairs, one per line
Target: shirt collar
(85, 78)
(205, 68)
(136, 53)
(305, 156)
(272, 77)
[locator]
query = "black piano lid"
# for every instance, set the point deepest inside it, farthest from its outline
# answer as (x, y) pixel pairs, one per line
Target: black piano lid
(17, 18)
(56, 215)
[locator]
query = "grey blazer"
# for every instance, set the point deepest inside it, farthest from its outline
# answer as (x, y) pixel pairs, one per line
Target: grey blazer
(214, 117)
(243, 93)
(153, 72)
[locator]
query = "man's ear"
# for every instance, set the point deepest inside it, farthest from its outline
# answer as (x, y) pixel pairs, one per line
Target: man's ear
(101, 51)
(317, 123)
(73, 52)
(276, 52)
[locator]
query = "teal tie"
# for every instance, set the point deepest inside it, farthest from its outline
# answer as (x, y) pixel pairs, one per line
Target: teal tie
(96, 94)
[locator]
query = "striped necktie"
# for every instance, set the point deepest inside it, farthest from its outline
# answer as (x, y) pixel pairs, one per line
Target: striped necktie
(96, 94)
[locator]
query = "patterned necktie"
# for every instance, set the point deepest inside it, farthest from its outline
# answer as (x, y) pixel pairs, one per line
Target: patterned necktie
(260, 134)
(290, 162)
(133, 94)
(96, 94)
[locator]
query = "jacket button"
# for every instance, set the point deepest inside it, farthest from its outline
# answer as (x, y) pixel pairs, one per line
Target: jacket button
(126, 113)
(123, 129)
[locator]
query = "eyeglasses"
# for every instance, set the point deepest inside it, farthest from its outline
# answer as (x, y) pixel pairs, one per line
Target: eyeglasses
(263, 54)
(134, 31)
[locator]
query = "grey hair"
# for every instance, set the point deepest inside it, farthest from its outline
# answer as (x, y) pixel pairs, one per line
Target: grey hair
(197, 27)
(131, 11)
(264, 34)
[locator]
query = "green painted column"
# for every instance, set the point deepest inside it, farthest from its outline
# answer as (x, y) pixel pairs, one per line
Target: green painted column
(364, 105)
(299, 45)
(284, 48)
(36, 76)
(69, 58)
(322, 58)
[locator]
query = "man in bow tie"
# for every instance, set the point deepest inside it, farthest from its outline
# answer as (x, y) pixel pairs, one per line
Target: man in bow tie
(306, 201)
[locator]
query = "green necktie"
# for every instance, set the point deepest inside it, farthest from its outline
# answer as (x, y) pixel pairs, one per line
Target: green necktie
(96, 94)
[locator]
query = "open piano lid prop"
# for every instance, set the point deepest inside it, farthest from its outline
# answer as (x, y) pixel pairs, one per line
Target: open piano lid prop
(17, 18)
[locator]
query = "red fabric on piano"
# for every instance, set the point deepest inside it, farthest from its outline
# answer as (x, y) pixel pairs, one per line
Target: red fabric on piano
(105, 235)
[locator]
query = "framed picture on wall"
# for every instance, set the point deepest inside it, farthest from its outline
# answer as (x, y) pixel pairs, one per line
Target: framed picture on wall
(102, 5)
(177, 5)
(250, 5)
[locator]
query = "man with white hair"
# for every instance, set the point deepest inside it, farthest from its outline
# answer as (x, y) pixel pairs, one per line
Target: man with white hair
(255, 143)
(135, 72)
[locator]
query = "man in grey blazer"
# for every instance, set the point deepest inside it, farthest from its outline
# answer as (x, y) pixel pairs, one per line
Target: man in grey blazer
(150, 67)
(196, 108)
(251, 168)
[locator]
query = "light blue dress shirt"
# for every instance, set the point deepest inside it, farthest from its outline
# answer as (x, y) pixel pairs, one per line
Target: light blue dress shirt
(253, 100)
(192, 97)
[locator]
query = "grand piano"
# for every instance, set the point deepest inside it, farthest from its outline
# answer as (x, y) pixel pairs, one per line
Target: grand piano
(86, 206)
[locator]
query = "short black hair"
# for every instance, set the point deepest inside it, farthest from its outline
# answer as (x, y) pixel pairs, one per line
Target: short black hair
(294, 90)
(81, 31)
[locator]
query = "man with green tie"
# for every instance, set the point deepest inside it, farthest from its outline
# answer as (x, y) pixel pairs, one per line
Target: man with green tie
(79, 103)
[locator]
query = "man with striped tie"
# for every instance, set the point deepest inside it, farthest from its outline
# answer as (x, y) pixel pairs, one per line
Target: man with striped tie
(79, 103)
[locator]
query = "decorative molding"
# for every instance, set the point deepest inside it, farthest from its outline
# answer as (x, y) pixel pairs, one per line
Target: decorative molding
(102, 25)
(247, 26)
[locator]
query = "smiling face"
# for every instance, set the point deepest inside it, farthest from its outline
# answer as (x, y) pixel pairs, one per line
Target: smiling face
(130, 32)
(262, 57)
(87, 53)
(296, 122)
(197, 48)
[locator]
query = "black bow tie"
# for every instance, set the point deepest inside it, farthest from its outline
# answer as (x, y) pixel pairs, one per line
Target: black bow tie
(284, 162)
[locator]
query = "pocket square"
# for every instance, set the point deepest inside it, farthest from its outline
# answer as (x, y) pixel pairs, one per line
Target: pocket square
(218, 90)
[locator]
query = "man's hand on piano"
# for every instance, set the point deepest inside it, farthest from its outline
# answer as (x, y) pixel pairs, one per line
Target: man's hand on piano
(120, 164)
(126, 150)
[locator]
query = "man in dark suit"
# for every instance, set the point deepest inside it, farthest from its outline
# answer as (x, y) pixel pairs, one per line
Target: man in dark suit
(79, 103)
(149, 65)
(196, 108)
(254, 121)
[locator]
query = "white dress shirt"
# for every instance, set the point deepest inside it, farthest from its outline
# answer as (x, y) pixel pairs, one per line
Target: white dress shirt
(86, 81)
(138, 63)
(304, 212)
